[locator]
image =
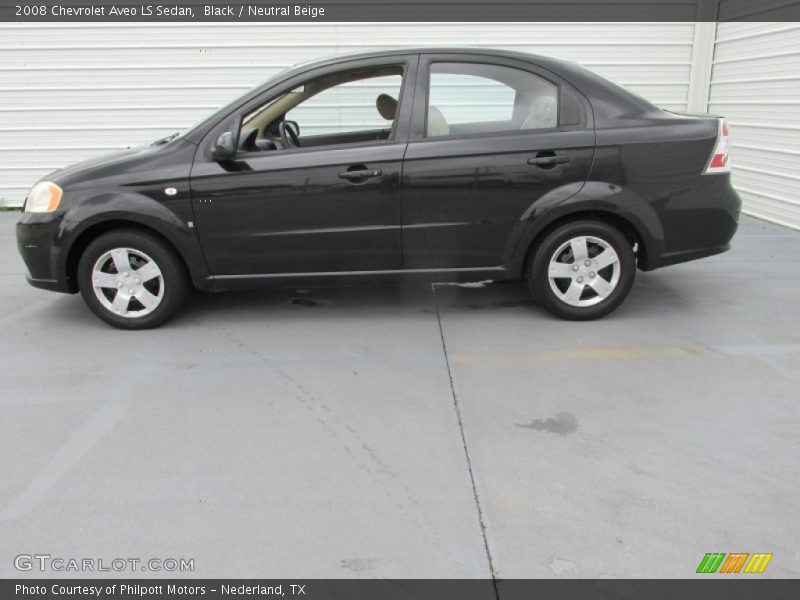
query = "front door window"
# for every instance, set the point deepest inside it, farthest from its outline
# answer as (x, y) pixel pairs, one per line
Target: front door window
(342, 108)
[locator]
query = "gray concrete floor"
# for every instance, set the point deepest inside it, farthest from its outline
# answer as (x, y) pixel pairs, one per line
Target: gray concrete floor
(289, 434)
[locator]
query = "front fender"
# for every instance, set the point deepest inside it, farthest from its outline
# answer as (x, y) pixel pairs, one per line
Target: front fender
(101, 209)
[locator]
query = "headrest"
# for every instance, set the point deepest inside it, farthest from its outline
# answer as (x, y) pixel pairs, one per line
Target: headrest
(387, 106)
(542, 114)
(437, 124)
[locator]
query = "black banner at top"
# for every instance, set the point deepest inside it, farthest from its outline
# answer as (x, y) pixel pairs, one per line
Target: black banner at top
(277, 11)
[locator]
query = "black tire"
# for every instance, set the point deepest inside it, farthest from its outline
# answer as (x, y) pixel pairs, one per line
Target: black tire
(540, 263)
(174, 278)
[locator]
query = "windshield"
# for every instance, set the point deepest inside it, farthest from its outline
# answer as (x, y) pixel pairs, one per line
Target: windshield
(189, 133)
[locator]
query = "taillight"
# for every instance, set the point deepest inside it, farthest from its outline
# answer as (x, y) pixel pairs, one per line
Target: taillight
(720, 161)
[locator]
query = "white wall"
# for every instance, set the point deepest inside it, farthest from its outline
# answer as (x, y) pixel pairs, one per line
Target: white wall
(755, 82)
(71, 91)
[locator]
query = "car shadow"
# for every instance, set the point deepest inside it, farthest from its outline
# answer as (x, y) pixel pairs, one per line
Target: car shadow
(652, 294)
(366, 300)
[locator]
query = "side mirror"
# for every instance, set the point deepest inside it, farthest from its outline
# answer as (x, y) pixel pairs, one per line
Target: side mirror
(224, 148)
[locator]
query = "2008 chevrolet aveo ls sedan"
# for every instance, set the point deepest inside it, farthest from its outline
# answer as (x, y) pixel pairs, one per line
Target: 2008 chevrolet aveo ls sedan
(442, 164)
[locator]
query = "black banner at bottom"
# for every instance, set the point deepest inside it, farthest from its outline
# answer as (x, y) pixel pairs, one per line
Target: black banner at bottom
(399, 589)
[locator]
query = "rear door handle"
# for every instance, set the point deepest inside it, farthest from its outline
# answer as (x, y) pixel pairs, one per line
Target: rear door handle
(549, 161)
(360, 174)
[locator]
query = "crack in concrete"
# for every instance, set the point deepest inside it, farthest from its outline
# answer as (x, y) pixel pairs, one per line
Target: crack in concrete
(457, 409)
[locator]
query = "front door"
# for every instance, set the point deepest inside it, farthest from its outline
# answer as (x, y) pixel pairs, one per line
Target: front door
(314, 186)
(490, 140)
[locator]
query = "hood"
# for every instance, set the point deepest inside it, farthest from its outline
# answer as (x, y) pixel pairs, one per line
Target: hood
(129, 164)
(97, 167)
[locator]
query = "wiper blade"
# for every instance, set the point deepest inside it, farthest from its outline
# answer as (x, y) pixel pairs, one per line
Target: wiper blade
(164, 140)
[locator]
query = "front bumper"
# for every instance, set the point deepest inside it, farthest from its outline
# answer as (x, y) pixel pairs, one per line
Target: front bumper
(38, 241)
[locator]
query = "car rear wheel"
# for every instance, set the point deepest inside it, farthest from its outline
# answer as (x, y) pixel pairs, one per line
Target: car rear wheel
(582, 270)
(131, 279)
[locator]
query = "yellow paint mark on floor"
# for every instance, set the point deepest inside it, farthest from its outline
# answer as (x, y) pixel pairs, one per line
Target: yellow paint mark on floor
(585, 354)
(463, 359)
(612, 353)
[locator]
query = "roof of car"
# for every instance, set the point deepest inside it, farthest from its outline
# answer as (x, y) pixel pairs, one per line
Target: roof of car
(439, 50)
(570, 70)
(620, 99)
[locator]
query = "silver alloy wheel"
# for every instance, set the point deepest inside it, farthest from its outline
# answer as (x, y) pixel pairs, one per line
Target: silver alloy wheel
(127, 282)
(584, 271)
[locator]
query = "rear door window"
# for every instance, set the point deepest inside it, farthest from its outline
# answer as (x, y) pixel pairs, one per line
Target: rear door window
(475, 98)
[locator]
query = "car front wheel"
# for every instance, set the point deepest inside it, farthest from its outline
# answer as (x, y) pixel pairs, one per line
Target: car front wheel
(132, 280)
(582, 270)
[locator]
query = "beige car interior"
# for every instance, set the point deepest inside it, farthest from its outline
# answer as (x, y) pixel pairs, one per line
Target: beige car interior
(267, 116)
(535, 101)
(437, 124)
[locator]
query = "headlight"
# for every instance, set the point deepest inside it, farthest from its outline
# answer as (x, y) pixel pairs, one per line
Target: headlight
(43, 197)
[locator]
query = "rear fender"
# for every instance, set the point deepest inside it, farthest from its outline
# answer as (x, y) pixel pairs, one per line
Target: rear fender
(597, 198)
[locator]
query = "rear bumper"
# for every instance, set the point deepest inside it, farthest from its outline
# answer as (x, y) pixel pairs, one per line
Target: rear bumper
(38, 241)
(666, 260)
(697, 222)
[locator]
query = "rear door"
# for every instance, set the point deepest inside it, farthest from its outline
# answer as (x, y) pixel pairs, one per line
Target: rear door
(490, 138)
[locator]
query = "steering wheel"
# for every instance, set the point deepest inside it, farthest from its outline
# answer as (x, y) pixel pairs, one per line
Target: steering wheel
(249, 139)
(290, 133)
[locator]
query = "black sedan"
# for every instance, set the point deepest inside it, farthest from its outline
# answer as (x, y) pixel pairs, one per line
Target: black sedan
(433, 164)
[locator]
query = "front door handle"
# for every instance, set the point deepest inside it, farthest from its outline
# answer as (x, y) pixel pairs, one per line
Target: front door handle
(549, 160)
(360, 174)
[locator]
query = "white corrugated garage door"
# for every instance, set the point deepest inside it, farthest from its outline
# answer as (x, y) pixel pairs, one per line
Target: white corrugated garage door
(755, 82)
(70, 91)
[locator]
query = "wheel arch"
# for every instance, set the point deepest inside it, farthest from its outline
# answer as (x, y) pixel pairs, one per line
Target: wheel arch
(86, 236)
(633, 234)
